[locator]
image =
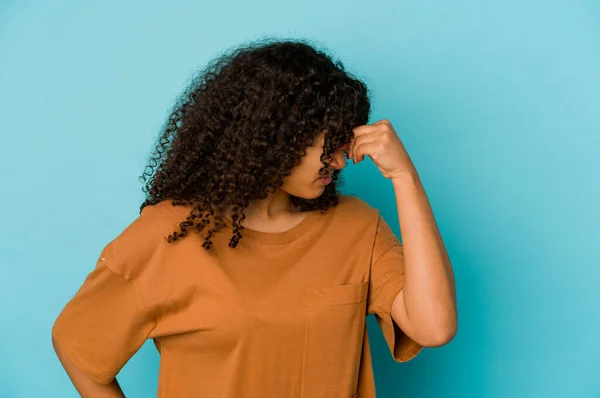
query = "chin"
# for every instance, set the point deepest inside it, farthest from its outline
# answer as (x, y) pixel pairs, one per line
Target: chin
(310, 195)
(318, 194)
(309, 191)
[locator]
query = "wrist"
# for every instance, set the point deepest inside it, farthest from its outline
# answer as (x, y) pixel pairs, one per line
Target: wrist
(405, 177)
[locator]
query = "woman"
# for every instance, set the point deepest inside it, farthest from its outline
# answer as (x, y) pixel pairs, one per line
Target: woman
(247, 268)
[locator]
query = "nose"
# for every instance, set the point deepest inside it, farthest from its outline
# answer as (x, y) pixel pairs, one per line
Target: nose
(338, 158)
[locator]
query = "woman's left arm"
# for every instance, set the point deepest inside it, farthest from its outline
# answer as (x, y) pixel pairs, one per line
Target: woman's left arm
(425, 308)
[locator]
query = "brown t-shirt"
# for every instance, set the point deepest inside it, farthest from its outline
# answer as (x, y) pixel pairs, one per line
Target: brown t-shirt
(281, 315)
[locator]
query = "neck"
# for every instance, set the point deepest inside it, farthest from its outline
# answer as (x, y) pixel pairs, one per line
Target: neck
(273, 207)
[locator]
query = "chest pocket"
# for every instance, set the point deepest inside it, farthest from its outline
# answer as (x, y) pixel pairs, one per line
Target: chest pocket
(335, 322)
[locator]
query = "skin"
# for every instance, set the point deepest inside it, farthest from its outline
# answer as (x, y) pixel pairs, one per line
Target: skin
(425, 309)
(275, 213)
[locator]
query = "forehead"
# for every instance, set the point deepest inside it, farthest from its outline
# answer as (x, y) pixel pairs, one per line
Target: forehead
(320, 138)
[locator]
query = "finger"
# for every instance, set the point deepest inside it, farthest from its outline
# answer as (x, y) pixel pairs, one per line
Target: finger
(352, 147)
(355, 141)
(383, 121)
(370, 149)
(364, 129)
(362, 148)
(371, 128)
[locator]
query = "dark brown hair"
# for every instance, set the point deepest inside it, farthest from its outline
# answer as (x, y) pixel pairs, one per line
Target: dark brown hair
(243, 123)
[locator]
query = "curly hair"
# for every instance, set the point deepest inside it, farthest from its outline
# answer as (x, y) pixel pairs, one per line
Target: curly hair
(243, 123)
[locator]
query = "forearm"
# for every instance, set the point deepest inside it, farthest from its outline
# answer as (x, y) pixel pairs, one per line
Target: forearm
(429, 295)
(87, 387)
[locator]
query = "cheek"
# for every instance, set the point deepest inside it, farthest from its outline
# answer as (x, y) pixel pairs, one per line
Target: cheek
(300, 176)
(310, 164)
(305, 174)
(301, 181)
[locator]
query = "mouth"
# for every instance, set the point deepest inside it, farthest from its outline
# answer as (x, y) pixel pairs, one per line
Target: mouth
(326, 179)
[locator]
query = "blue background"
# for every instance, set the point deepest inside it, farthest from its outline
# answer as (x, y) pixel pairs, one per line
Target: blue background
(496, 102)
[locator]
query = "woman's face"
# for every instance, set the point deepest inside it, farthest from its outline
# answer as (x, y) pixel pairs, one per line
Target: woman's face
(304, 181)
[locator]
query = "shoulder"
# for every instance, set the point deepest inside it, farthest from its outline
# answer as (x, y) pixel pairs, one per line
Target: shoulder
(357, 208)
(166, 210)
(354, 218)
(143, 240)
(369, 221)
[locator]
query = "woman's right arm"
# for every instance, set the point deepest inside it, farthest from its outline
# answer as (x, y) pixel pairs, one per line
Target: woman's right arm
(112, 313)
(86, 386)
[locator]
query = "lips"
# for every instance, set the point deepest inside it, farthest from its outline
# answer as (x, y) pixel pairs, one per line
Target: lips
(327, 178)
(326, 181)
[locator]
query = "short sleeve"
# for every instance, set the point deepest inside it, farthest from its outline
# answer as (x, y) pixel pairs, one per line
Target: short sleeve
(386, 281)
(107, 320)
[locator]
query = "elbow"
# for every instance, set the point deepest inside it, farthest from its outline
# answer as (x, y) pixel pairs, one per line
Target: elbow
(444, 337)
(440, 336)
